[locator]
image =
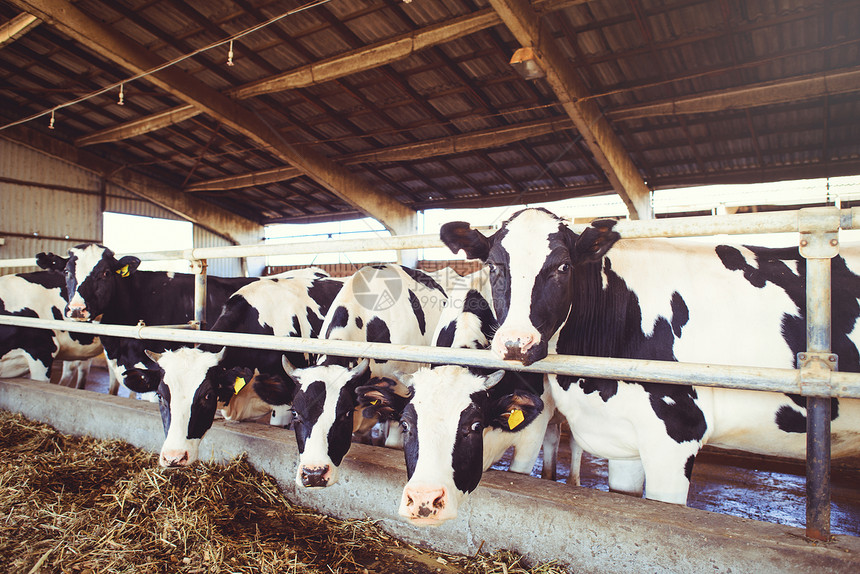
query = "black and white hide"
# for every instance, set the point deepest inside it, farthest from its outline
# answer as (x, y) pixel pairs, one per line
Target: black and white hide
(25, 350)
(192, 383)
(597, 294)
(378, 304)
(113, 290)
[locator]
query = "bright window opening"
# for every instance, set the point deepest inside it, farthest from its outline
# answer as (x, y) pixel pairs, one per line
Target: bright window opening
(130, 234)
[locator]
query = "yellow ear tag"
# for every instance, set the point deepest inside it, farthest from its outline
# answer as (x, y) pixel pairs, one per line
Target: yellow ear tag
(239, 385)
(374, 402)
(123, 271)
(515, 418)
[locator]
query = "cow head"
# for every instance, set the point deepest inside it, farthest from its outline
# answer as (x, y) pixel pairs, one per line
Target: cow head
(92, 276)
(324, 415)
(190, 386)
(532, 261)
(445, 421)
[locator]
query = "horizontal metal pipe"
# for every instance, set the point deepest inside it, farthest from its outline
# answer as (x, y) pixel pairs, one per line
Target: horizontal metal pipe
(733, 377)
(770, 222)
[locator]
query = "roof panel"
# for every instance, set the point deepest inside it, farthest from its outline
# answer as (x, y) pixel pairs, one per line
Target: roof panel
(458, 98)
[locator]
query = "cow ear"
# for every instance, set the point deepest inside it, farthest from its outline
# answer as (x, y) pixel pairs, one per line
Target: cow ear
(228, 382)
(595, 241)
(274, 390)
(379, 399)
(493, 379)
(360, 374)
(515, 412)
(51, 262)
(287, 365)
(126, 266)
(153, 355)
(459, 235)
(142, 380)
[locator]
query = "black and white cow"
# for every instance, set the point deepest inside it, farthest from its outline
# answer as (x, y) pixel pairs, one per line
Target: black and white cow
(22, 350)
(468, 322)
(446, 419)
(458, 421)
(599, 295)
(192, 383)
(100, 285)
(381, 304)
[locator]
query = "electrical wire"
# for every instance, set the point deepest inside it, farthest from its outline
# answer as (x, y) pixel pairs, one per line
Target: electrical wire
(169, 63)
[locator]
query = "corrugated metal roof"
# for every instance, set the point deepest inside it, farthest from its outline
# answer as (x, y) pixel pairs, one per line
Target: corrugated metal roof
(626, 53)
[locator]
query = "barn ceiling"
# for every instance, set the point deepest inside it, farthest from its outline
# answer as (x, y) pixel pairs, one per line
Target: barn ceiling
(385, 107)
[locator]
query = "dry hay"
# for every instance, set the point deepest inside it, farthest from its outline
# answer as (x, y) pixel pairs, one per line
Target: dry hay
(74, 505)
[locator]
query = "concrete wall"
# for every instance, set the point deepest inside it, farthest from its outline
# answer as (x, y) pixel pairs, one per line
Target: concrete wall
(584, 529)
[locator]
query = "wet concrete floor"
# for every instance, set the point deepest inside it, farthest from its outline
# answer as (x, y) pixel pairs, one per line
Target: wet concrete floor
(750, 486)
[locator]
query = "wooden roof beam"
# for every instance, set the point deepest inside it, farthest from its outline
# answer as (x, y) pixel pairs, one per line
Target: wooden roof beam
(17, 27)
(124, 51)
(484, 139)
(360, 59)
(140, 126)
(769, 93)
(608, 151)
(750, 96)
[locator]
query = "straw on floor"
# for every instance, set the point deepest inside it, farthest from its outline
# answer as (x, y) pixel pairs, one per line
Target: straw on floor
(75, 505)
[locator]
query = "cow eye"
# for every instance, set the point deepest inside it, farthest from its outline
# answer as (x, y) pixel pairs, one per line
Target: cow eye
(296, 416)
(564, 268)
(404, 426)
(476, 426)
(493, 267)
(207, 396)
(106, 273)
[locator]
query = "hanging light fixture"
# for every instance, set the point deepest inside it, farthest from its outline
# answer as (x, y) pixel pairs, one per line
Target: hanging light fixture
(525, 62)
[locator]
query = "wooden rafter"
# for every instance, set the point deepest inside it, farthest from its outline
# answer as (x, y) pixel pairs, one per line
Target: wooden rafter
(17, 27)
(764, 94)
(360, 59)
(608, 151)
(136, 58)
(792, 90)
(437, 147)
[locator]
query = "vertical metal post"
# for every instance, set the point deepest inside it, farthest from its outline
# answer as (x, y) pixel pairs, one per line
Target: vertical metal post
(198, 266)
(818, 408)
(818, 244)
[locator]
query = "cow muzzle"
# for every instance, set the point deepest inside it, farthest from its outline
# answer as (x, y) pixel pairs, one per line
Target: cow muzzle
(427, 505)
(318, 476)
(174, 458)
(525, 346)
(77, 312)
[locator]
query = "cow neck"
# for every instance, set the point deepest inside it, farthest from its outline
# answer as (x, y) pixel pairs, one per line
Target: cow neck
(142, 297)
(602, 318)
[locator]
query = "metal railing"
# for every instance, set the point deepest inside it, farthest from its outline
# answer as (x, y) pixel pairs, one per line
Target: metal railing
(815, 378)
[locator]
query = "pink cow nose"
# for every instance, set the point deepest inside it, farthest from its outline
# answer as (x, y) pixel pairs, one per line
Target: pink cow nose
(77, 311)
(514, 345)
(425, 502)
(174, 458)
(315, 476)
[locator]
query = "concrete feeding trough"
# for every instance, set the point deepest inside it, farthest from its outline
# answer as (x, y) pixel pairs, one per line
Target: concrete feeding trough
(584, 529)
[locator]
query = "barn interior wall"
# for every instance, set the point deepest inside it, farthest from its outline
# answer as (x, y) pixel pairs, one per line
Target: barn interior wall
(49, 204)
(224, 267)
(35, 218)
(119, 200)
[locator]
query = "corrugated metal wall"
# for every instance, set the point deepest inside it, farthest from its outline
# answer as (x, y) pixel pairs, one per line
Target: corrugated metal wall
(34, 219)
(121, 201)
(219, 267)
